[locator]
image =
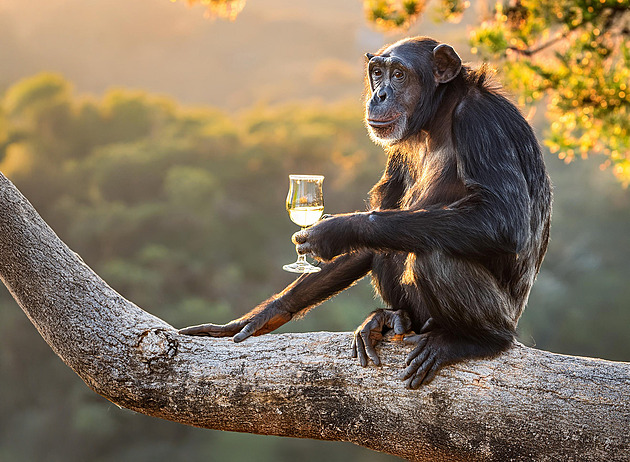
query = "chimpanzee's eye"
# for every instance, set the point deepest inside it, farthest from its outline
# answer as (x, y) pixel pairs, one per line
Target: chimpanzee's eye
(377, 72)
(398, 75)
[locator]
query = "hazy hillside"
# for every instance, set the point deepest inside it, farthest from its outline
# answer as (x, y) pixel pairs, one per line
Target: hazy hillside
(276, 50)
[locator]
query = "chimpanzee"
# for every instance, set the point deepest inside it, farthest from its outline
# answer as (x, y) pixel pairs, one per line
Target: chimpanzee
(457, 226)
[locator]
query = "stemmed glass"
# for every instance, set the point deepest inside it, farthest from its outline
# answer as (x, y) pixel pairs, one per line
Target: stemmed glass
(305, 204)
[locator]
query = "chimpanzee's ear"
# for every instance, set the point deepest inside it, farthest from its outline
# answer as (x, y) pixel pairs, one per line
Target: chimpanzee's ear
(446, 63)
(368, 56)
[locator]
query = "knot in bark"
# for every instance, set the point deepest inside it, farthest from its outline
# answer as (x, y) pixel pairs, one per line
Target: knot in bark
(157, 347)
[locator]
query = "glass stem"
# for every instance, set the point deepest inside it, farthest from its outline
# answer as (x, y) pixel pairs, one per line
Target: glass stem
(302, 257)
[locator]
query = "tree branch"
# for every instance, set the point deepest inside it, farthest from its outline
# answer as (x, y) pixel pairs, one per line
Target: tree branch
(525, 405)
(543, 46)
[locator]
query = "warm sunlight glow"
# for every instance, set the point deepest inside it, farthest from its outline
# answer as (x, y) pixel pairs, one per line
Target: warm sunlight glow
(222, 9)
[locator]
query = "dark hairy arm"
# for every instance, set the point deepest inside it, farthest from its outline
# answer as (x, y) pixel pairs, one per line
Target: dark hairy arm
(482, 223)
(305, 292)
(494, 216)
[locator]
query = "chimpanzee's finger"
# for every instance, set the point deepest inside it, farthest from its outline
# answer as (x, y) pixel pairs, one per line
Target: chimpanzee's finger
(414, 365)
(300, 237)
(363, 360)
(303, 248)
(247, 331)
(212, 330)
(400, 323)
(428, 366)
(412, 339)
(421, 342)
(431, 373)
(369, 346)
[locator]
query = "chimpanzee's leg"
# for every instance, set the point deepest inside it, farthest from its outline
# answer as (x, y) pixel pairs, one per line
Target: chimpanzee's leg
(471, 316)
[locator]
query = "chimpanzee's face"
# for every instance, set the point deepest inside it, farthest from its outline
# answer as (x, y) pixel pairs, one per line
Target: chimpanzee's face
(395, 91)
(402, 82)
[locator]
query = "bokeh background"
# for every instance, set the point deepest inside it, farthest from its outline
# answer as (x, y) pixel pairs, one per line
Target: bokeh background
(157, 144)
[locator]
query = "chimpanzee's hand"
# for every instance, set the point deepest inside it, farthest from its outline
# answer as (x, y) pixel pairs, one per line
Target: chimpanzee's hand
(256, 322)
(370, 333)
(325, 239)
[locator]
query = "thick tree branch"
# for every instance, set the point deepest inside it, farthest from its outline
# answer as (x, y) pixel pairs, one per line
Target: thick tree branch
(525, 405)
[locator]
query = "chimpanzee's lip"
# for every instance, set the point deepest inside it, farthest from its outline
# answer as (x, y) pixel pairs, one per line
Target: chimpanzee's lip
(382, 122)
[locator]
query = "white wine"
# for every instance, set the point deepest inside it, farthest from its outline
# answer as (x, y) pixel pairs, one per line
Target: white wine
(305, 204)
(305, 216)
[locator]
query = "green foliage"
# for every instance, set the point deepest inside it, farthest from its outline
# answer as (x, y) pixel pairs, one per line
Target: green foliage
(36, 95)
(574, 56)
(393, 14)
(182, 211)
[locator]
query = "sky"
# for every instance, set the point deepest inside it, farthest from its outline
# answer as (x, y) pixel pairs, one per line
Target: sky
(275, 51)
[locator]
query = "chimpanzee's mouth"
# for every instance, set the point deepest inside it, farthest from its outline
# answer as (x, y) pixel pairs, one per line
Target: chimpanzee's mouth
(381, 123)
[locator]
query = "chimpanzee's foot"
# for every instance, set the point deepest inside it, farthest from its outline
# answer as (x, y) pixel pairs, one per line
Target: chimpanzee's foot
(371, 332)
(436, 349)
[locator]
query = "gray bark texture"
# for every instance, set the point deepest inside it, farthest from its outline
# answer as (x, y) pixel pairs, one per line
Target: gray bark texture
(527, 405)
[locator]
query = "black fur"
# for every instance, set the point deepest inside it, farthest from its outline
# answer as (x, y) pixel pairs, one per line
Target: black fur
(458, 224)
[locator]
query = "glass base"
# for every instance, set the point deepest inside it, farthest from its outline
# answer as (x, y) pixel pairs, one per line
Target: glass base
(301, 267)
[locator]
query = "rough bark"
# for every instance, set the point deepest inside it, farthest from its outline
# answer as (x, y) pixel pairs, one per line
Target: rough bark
(525, 405)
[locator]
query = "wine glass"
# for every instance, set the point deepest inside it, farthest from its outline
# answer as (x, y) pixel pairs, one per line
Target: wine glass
(305, 204)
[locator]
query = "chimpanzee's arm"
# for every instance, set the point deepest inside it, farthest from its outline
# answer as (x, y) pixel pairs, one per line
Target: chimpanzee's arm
(493, 217)
(469, 228)
(500, 165)
(476, 226)
(305, 292)
(490, 219)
